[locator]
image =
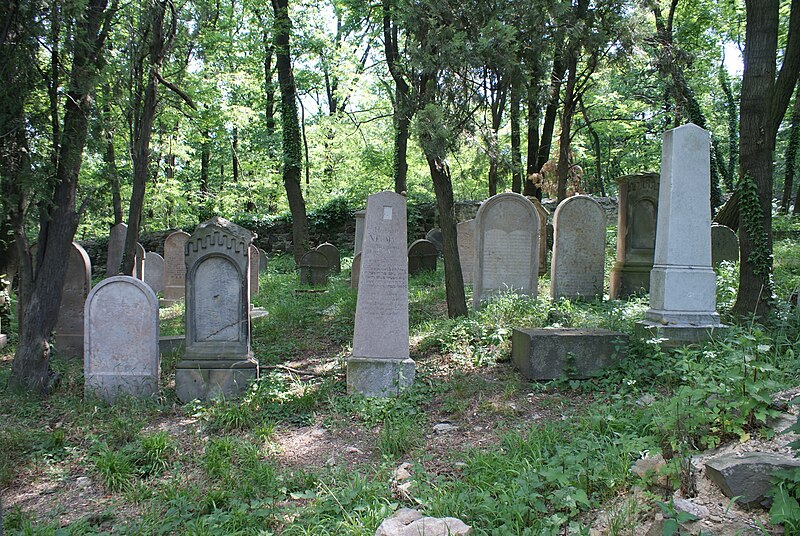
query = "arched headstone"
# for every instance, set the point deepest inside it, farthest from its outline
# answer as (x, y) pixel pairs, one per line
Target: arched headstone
(116, 247)
(154, 274)
(77, 284)
(314, 268)
(466, 248)
(175, 267)
(355, 270)
(724, 244)
(579, 245)
(422, 255)
(255, 262)
(436, 238)
(121, 339)
(331, 253)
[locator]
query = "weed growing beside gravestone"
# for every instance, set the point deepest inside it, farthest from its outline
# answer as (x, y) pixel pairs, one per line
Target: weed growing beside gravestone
(522, 457)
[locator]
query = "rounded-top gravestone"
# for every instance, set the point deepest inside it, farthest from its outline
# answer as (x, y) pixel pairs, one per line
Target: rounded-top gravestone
(175, 267)
(116, 247)
(69, 326)
(331, 253)
(121, 339)
(724, 244)
(579, 240)
(422, 255)
(255, 262)
(314, 268)
(466, 248)
(355, 270)
(154, 273)
(435, 236)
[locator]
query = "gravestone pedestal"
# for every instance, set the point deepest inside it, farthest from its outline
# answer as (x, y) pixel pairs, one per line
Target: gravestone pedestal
(217, 361)
(682, 282)
(380, 363)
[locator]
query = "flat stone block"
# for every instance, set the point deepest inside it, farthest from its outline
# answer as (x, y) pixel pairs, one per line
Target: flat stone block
(206, 379)
(551, 353)
(3, 340)
(171, 344)
(747, 476)
(674, 335)
(258, 312)
(379, 377)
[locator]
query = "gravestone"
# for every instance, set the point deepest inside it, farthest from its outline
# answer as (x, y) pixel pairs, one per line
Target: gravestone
(543, 225)
(255, 261)
(331, 253)
(466, 248)
(359, 238)
(422, 255)
(175, 267)
(682, 282)
(314, 268)
(579, 240)
(138, 262)
(116, 248)
(435, 236)
(77, 284)
(636, 234)
(121, 340)
(355, 270)
(724, 244)
(262, 261)
(154, 274)
(217, 360)
(507, 236)
(380, 363)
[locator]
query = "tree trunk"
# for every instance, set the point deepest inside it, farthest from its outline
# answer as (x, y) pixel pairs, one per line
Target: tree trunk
(790, 156)
(40, 290)
(109, 157)
(731, 110)
(567, 112)
(403, 111)
(235, 153)
(292, 152)
(205, 164)
(516, 152)
(453, 278)
(533, 140)
(550, 113)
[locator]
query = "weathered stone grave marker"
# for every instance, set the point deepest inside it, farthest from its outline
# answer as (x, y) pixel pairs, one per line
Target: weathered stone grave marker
(255, 261)
(217, 360)
(466, 248)
(154, 272)
(682, 282)
(506, 247)
(314, 268)
(331, 253)
(636, 234)
(380, 363)
(138, 262)
(355, 270)
(543, 215)
(116, 248)
(422, 255)
(121, 339)
(435, 236)
(724, 244)
(262, 261)
(578, 249)
(358, 241)
(77, 284)
(175, 267)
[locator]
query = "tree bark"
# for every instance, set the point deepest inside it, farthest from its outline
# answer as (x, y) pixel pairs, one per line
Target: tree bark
(551, 111)
(497, 89)
(40, 289)
(516, 151)
(292, 152)
(790, 156)
(532, 160)
(453, 278)
(567, 112)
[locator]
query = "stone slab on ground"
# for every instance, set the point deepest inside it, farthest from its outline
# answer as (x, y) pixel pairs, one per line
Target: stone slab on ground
(552, 353)
(747, 476)
(408, 522)
(171, 344)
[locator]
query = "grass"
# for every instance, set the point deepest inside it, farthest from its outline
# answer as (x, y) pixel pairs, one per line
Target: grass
(554, 453)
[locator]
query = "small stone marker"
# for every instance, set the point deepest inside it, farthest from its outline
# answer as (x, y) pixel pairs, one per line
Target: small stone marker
(543, 215)
(138, 262)
(355, 270)
(380, 363)
(69, 326)
(724, 244)
(262, 261)
(175, 267)
(154, 274)
(116, 248)
(217, 360)
(507, 231)
(683, 292)
(747, 476)
(435, 236)
(466, 248)
(636, 234)
(579, 242)
(407, 522)
(314, 269)
(358, 241)
(121, 340)
(552, 353)
(331, 253)
(255, 262)
(422, 255)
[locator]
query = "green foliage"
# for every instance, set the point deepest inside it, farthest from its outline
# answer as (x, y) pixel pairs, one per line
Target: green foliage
(785, 507)
(753, 221)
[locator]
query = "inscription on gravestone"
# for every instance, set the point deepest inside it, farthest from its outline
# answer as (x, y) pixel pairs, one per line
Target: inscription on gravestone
(579, 249)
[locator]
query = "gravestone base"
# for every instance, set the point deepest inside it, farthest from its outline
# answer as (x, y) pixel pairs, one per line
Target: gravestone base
(675, 335)
(627, 280)
(552, 353)
(3, 340)
(109, 387)
(379, 377)
(199, 379)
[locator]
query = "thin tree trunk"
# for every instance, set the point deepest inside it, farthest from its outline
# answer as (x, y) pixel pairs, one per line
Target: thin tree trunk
(533, 139)
(516, 152)
(292, 156)
(403, 111)
(550, 113)
(790, 156)
(731, 110)
(235, 153)
(567, 112)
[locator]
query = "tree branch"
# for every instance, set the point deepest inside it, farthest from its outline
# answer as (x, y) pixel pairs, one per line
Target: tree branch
(178, 91)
